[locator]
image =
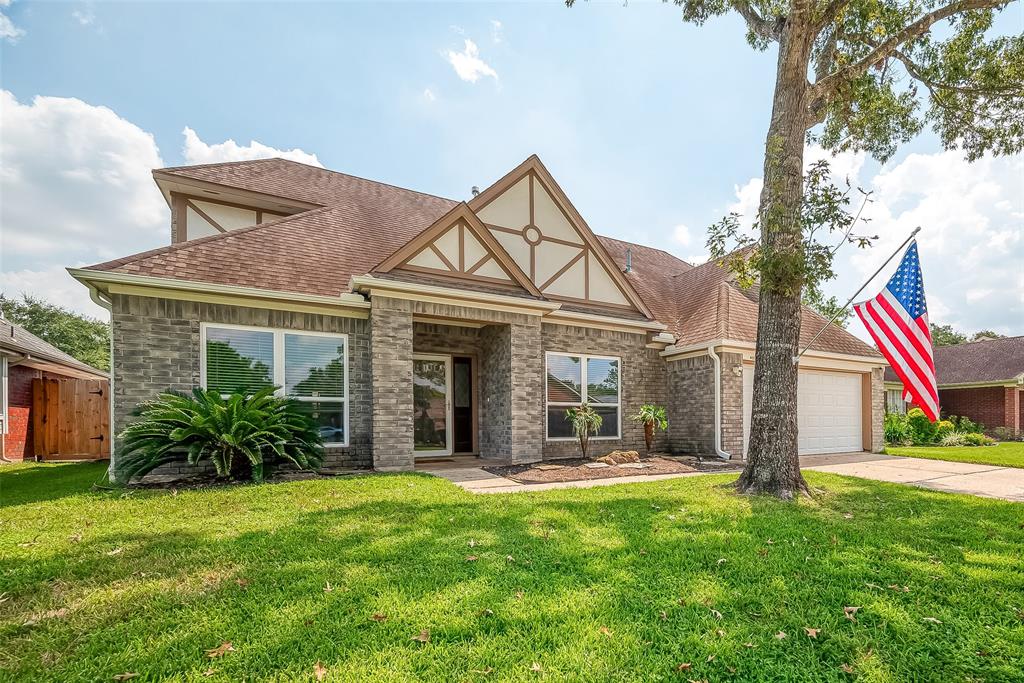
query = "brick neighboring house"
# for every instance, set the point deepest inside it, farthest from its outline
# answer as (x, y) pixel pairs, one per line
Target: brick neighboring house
(415, 326)
(24, 357)
(983, 380)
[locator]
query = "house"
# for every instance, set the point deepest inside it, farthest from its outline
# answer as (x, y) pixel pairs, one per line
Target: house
(982, 380)
(412, 326)
(23, 358)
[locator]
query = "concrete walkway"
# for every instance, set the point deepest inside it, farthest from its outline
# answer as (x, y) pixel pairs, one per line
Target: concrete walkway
(1006, 483)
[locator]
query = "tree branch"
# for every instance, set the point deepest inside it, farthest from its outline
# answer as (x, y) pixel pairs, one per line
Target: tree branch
(822, 89)
(829, 12)
(769, 30)
(915, 71)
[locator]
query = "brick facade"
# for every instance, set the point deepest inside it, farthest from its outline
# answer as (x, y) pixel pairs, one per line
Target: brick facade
(877, 410)
(992, 407)
(642, 380)
(18, 443)
(156, 348)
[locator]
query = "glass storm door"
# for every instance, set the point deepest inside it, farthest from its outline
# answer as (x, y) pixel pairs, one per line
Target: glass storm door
(432, 404)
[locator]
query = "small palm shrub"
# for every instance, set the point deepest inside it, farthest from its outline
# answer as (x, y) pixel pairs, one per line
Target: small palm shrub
(651, 416)
(235, 433)
(585, 421)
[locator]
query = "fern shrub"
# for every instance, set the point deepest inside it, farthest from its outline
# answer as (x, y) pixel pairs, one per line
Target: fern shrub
(236, 434)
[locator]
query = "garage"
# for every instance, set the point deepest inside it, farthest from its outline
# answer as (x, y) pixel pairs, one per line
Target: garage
(829, 411)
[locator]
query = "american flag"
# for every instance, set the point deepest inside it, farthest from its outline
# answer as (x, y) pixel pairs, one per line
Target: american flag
(897, 319)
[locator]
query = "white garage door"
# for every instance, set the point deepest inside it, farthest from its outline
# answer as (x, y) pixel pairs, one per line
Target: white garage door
(829, 411)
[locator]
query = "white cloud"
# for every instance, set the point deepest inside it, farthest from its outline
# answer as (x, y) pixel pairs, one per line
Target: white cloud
(77, 189)
(497, 32)
(85, 17)
(468, 65)
(429, 95)
(196, 151)
(8, 31)
(681, 235)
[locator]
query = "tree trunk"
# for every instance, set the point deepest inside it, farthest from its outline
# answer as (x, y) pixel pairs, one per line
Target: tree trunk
(648, 435)
(772, 463)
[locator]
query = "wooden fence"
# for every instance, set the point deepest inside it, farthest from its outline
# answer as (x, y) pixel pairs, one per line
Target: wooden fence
(71, 419)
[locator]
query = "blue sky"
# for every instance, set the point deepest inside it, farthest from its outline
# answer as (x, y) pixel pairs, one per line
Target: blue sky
(653, 127)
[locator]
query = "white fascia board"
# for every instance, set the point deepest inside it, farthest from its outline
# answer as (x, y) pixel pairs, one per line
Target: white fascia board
(415, 291)
(87, 277)
(746, 347)
(594, 320)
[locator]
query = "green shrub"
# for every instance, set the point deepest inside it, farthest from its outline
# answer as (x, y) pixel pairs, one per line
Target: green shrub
(965, 424)
(897, 429)
(585, 421)
(942, 428)
(235, 433)
(977, 439)
(922, 430)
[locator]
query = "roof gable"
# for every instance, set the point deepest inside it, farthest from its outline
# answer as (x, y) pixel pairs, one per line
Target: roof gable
(536, 224)
(458, 245)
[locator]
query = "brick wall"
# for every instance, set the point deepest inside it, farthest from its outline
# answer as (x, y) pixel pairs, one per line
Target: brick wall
(18, 439)
(877, 410)
(642, 380)
(732, 404)
(691, 412)
(990, 406)
(156, 348)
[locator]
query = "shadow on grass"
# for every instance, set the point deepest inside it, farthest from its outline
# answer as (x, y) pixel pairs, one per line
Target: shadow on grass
(674, 572)
(22, 483)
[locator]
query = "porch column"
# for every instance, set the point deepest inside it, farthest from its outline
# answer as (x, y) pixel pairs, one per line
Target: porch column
(512, 391)
(1011, 408)
(391, 365)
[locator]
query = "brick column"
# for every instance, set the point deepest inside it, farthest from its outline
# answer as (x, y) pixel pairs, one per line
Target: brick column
(391, 366)
(732, 405)
(1011, 408)
(877, 410)
(527, 379)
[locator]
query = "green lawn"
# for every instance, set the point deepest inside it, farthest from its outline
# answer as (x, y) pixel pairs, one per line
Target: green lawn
(622, 583)
(1007, 454)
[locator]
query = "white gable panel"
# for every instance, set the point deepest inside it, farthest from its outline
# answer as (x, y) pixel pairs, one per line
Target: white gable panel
(474, 251)
(490, 268)
(198, 226)
(550, 219)
(228, 217)
(516, 247)
(428, 259)
(511, 209)
(602, 287)
(569, 283)
(448, 244)
(551, 258)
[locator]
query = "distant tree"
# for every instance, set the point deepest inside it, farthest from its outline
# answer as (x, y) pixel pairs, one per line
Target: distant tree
(82, 337)
(945, 335)
(829, 307)
(982, 334)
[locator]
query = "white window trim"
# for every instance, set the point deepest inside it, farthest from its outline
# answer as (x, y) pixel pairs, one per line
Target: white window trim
(584, 357)
(278, 370)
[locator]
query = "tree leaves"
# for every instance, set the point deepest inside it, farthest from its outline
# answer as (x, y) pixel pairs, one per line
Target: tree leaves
(422, 637)
(319, 671)
(220, 650)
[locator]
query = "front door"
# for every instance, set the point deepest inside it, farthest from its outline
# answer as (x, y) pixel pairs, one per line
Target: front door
(432, 404)
(462, 400)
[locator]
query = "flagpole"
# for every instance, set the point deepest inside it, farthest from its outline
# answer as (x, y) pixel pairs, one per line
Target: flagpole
(796, 358)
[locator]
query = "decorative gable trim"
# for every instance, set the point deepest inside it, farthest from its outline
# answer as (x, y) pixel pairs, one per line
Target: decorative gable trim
(458, 245)
(572, 247)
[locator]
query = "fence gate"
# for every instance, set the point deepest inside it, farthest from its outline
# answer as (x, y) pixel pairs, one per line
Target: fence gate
(71, 419)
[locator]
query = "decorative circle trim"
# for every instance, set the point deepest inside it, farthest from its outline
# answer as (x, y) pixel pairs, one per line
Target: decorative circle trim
(532, 234)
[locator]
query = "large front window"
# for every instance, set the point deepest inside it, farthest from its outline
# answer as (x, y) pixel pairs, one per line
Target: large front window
(309, 367)
(572, 379)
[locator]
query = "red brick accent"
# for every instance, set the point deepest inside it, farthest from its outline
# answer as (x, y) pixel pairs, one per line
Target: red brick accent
(990, 406)
(18, 440)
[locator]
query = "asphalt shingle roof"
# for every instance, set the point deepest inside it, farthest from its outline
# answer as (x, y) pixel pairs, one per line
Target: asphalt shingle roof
(16, 338)
(993, 360)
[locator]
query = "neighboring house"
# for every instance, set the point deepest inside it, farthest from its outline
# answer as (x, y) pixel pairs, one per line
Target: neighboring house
(983, 380)
(411, 325)
(24, 357)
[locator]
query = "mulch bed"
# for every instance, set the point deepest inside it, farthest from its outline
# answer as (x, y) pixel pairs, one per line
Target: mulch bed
(575, 469)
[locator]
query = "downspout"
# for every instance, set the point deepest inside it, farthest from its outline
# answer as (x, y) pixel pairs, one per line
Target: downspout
(718, 403)
(107, 304)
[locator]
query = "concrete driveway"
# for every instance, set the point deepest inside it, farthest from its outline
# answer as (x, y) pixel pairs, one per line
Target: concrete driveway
(990, 481)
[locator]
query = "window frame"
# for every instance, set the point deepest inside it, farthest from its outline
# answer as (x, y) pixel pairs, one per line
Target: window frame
(278, 375)
(584, 357)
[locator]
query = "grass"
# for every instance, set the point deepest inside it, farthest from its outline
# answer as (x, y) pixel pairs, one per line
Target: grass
(622, 583)
(1006, 454)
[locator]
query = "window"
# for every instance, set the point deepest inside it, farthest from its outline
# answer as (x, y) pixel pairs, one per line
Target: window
(894, 402)
(574, 379)
(310, 367)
